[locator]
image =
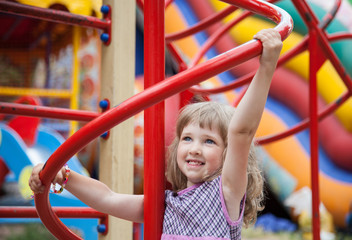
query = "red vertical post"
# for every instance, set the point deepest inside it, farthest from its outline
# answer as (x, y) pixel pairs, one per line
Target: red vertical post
(154, 142)
(314, 65)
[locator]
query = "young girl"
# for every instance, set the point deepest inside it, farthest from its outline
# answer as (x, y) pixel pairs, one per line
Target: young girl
(217, 184)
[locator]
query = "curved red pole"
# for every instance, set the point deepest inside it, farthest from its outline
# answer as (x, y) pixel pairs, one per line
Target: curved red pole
(145, 99)
(245, 79)
(219, 33)
(216, 36)
(201, 25)
(301, 47)
(304, 123)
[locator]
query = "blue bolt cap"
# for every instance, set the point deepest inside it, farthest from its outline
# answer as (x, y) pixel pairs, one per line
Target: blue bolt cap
(104, 37)
(103, 104)
(104, 135)
(101, 228)
(105, 9)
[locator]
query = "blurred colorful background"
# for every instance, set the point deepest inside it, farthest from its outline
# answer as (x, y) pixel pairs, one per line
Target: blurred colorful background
(58, 65)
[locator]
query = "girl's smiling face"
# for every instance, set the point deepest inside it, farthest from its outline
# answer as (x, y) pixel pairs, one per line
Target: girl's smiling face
(199, 153)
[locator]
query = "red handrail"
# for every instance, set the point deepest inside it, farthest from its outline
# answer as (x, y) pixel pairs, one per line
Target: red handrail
(47, 112)
(53, 15)
(62, 212)
(146, 99)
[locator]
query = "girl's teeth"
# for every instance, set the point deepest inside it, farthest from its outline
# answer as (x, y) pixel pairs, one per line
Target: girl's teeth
(194, 163)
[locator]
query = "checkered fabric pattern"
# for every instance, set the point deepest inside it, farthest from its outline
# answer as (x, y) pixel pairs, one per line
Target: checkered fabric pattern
(199, 212)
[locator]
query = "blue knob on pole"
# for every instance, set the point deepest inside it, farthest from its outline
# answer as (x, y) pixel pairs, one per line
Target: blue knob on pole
(103, 104)
(105, 9)
(101, 228)
(104, 37)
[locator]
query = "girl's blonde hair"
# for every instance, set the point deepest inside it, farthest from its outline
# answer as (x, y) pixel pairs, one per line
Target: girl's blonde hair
(216, 115)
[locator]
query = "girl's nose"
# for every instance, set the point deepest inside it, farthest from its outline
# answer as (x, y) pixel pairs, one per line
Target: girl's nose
(195, 149)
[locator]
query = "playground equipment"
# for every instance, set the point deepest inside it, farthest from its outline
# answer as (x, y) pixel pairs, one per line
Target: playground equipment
(157, 93)
(153, 94)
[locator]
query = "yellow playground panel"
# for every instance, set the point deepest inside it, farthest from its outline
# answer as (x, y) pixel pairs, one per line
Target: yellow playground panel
(83, 7)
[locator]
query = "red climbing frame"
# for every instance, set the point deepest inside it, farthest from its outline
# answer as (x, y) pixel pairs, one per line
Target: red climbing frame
(143, 100)
(155, 93)
(317, 42)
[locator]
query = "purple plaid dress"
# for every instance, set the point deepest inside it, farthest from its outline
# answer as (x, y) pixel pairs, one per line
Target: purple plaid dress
(199, 212)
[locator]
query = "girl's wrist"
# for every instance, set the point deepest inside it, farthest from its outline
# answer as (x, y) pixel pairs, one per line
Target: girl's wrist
(66, 177)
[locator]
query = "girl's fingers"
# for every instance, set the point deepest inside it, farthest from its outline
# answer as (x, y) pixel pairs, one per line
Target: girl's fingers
(36, 187)
(34, 181)
(272, 44)
(268, 33)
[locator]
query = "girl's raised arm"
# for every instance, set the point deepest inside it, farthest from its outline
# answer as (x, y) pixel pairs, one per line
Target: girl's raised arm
(245, 121)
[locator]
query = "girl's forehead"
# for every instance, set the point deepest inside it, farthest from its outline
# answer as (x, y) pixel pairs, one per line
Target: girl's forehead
(192, 126)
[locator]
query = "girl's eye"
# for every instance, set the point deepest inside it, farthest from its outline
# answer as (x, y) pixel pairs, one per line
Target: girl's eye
(209, 141)
(187, 139)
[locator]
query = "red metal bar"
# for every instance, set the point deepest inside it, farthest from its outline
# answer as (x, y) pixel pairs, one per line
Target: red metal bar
(47, 112)
(324, 113)
(137, 103)
(182, 65)
(154, 136)
(245, 79)
(254, 6)
(330, 15)
(304, 123)
(314, 66)
(339, 36)
(61, 212)
(140, 4)
(259, 7)
(301, 47)
(216, 36)
(201, 25)
(52, 15)
(318, 42)
(311, 21)
(220, 32)
(167, 3)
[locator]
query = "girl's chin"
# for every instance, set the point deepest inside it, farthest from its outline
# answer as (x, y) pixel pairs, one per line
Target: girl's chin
(192, 182)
